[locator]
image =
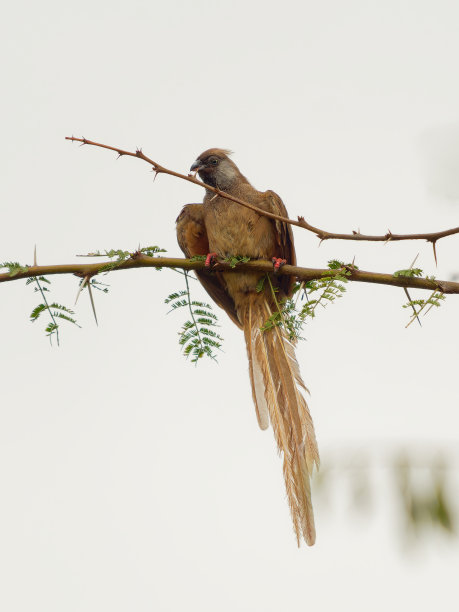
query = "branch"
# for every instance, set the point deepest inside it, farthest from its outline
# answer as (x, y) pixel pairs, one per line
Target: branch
(139, 260)
(320, 233)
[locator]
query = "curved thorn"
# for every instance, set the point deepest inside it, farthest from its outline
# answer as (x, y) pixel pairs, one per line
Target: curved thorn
(81, 287)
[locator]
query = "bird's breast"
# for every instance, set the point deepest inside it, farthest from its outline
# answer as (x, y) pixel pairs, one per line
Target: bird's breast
(235, 230)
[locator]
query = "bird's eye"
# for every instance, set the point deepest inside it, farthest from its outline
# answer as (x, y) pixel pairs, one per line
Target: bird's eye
(214, 162)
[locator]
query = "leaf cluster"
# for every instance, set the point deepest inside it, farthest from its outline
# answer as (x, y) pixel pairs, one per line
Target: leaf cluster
(197, 337)
(119, 256)
(234, 260)
(410, 272)
(422, 306)
(14, 267)
(428, 507)
(291, 315)
(55, 311)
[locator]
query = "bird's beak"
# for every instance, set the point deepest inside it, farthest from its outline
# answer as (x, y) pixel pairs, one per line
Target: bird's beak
(196, 166)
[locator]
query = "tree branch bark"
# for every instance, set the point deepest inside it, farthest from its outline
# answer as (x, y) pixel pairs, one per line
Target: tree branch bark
(139, 260)
(431, 237)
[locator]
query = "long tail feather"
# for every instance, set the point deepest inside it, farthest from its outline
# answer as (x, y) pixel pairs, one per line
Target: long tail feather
(276, 389)
(257, 376)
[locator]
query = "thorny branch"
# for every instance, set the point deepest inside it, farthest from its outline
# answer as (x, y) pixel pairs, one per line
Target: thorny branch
(431, 237)
(139, 260)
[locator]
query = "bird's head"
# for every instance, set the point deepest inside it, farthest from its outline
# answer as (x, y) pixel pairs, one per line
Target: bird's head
(215, 168)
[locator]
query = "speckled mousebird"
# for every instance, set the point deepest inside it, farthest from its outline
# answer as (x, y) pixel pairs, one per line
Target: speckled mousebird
(224, 228)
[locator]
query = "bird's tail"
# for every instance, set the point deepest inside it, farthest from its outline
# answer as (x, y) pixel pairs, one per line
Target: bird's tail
(276, 389)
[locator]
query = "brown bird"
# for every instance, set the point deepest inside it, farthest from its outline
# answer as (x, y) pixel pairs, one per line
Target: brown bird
(220, 227)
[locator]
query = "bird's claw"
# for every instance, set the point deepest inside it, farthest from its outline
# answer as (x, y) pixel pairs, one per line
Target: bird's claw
(278, 262)
(210, 259)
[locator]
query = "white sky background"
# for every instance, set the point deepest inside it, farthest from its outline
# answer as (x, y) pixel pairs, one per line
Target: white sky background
(131, 480)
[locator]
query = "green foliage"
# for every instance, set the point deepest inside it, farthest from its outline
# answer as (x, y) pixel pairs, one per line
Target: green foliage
(424, 306)
(197, 336)
(290, 315)
(14, 267)
(419, 306)
(121, 256)
(422, 484)
(261, 284)
(42, 279)
(58, 312)
(411, 272)
(427, 506)
(336, 264)
(95, 284)
(233, 260)
(152, 251)
(54, 310)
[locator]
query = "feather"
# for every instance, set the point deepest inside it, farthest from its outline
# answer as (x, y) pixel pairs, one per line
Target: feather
(272, 357)
(257, 377)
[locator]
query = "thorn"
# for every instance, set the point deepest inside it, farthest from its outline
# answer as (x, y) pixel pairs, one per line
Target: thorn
(410, 300)
(92, 303)
(81, 287)
(434, 245)
(156, 174)
(213, 197)
(414, 261)
(35, 255)
(388, 237)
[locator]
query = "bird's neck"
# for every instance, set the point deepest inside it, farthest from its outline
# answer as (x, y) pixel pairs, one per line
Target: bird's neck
(228, 182)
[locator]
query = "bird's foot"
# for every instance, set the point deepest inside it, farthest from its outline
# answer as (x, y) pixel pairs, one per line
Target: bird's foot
(278, 262)
(210, 259)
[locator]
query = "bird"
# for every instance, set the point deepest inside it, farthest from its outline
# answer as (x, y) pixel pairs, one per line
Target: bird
(221, 228)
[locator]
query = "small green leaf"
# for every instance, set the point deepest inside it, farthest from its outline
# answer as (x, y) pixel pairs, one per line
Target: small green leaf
(14, 267)
(410, 272)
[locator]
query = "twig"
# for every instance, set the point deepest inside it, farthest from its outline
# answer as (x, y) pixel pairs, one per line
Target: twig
(431, 237)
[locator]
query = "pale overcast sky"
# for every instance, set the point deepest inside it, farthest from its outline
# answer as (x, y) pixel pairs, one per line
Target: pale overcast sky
(131, 480)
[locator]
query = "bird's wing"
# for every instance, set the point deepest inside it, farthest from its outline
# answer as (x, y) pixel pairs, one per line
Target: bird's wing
(192, 239)
(284, 236)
